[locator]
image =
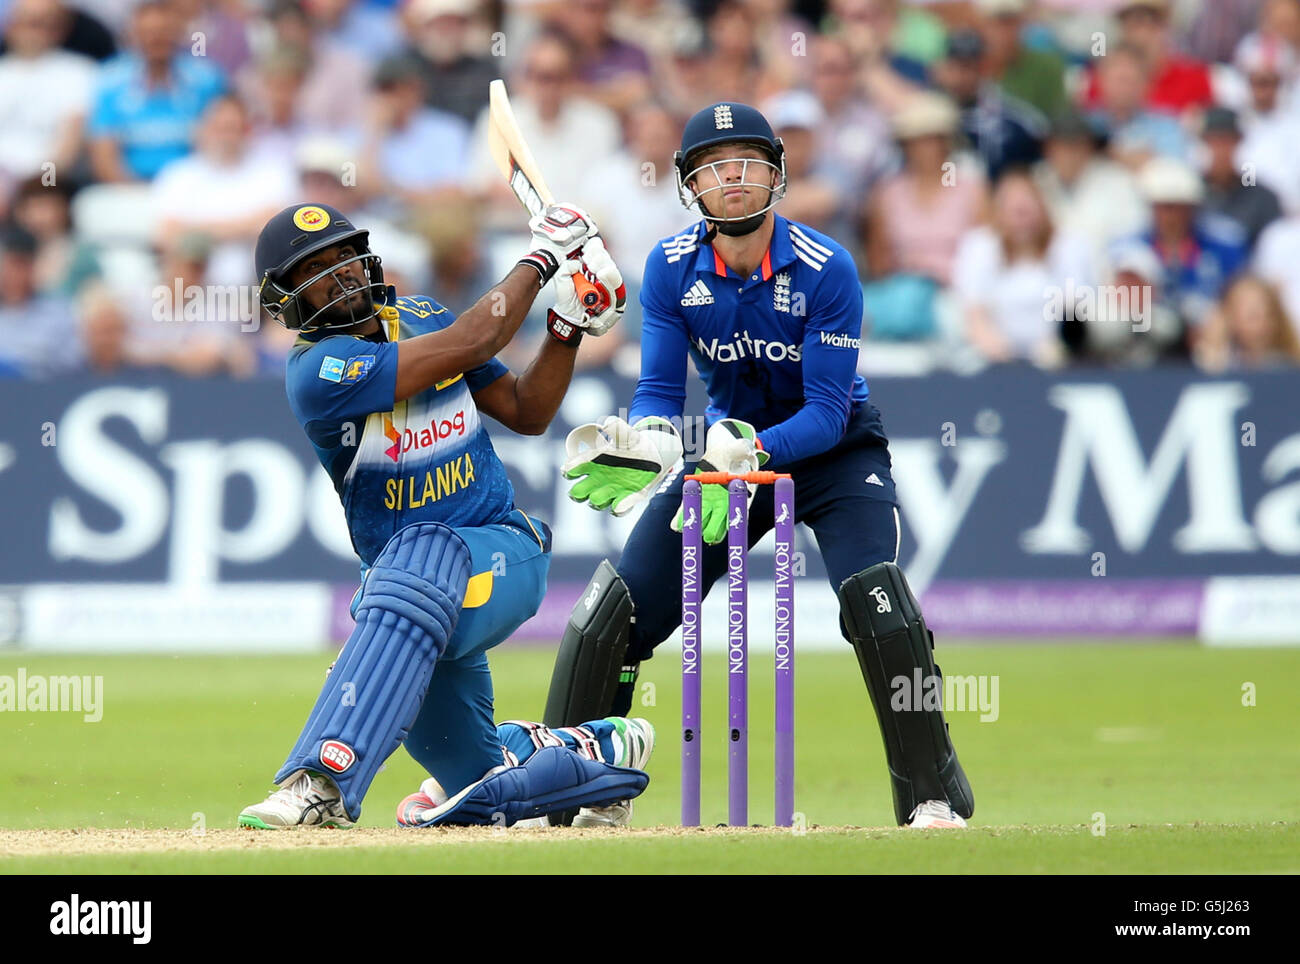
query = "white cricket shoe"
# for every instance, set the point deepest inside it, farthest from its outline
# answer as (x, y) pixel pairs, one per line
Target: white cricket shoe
(935, 814)
(634, 741)
(306, 800)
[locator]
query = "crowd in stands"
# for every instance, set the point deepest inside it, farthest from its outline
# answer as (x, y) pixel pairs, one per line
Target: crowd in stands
(1040, 182)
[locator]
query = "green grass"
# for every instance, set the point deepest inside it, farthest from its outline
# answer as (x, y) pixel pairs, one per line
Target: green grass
(1148, 735)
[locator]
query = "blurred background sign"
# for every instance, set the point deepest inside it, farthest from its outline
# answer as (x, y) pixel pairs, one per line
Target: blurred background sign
(1156, 502)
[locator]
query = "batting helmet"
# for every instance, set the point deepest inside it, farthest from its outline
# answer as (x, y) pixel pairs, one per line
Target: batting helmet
(729, 124)
(294, 234)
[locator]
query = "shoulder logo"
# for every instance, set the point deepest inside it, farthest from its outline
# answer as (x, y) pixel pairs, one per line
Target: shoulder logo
(331, 368)
(682, 244)
(311, 218)
(781, 292)
(358, 367)
(840, 340)
(697, 295)
(722, 117)
(810, 252)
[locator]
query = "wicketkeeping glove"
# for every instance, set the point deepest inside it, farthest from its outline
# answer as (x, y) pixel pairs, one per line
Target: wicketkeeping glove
(731, 446)
(619, 466)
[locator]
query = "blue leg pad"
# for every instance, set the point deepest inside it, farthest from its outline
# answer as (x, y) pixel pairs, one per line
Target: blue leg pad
(554, 778)
(407, 612)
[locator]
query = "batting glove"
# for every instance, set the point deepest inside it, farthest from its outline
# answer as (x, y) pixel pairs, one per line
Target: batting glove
(619, 466)
(600, 269)
(731, 446)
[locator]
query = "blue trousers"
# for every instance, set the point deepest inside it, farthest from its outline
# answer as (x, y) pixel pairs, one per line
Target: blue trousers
(454, 737)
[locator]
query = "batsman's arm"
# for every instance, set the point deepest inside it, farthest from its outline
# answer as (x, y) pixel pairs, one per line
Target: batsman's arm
(471, 340)
(526, 403)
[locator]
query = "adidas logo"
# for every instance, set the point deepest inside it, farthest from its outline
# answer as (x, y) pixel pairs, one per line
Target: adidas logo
(699, 294)
(874, 479)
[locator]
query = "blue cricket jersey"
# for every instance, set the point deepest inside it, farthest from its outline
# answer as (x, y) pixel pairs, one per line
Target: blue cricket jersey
(427, 459)
(778, 349)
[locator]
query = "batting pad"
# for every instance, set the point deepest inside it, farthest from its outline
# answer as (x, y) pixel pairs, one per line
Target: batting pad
(894, 647)
(409, 606)
(554, 778)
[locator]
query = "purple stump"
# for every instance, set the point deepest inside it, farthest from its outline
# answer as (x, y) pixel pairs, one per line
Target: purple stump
(737, 655)
(692, 556)
(784, 508)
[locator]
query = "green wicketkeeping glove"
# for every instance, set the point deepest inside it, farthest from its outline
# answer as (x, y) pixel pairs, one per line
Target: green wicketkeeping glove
(618, 465)
(731, 446)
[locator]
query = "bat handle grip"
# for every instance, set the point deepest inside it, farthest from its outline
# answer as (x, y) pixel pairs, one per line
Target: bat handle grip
(587, 292)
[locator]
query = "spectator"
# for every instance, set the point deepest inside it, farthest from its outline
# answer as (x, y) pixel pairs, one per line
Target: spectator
(1003, 130)
(1135, 133)
(273, 93)
(1275, 261)
(1232, 190)
(455, 80)
(224, 190)
(1034, 77)
(224, 26)
(1177, 82)
(553, 118)
(916, 219)
(103, 330)
(1272, 130)
(612, 71)
(148, 102)
(908, 38)
(885, 40)
(854, 147)
(1218, 27)
(634, 195)
(1250, 330)
(1129, 322)
(653, 24)
(358, 27)
(61, 264)
(44, 94)
(334, 89)
(810, 199)
(187, 324)
(413, 149)
(1199, 255)
(1006, 273)
(37, 335)
(1087, 194)
(86, 28)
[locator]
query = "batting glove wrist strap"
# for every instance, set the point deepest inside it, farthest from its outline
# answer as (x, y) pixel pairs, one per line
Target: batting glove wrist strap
(544, 263)
(562, 330)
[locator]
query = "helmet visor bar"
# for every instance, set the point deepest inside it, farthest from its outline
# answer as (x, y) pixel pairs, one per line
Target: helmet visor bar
(755, 173)
(328, 315)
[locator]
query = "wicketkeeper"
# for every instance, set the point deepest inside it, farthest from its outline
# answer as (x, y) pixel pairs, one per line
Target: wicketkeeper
(770, 311)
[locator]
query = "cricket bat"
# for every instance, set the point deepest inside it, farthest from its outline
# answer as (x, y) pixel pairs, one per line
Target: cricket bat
(517, 166)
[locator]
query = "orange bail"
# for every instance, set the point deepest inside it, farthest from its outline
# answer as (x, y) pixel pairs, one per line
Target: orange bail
(749, 478)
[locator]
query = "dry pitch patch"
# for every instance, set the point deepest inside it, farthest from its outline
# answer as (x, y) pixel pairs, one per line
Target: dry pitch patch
(38, 843)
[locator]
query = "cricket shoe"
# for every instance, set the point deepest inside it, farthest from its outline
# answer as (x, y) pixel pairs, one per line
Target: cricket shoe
(935, 814)
(634, 741)
(310, 800)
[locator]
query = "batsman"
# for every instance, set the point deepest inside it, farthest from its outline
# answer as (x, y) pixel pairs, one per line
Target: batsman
(390, 390)
(770, 312)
